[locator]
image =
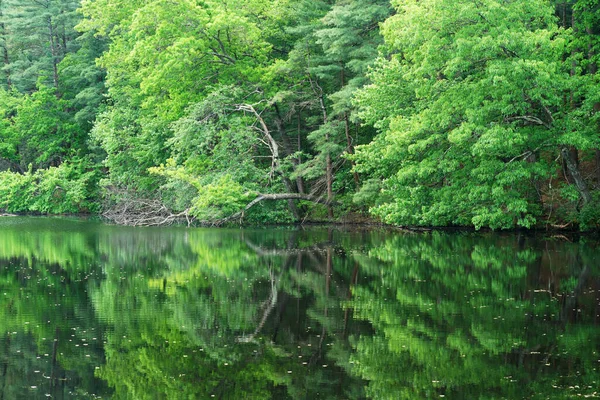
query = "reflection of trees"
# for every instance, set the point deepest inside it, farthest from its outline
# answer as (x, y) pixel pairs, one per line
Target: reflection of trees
(50, 342)
(463, 316)
(177, 307)
(177, 313)
(227, 313)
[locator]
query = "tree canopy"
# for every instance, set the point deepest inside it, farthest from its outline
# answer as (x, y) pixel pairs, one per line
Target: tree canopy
(429, 113)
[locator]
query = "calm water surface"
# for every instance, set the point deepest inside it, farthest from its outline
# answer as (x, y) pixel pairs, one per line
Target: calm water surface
(95, 311)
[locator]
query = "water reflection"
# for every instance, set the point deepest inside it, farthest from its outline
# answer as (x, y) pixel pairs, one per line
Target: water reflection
(88, 310)
(470, 316)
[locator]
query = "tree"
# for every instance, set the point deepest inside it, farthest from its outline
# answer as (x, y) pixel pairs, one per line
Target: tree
(480, 116)
(38, 35)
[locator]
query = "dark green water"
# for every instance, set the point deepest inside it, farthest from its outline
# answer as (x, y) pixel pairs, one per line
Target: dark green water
(95, 311)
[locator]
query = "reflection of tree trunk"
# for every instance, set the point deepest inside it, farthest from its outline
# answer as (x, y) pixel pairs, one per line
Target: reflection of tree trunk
(571, 301)
(310, 251)
(328, 270)
(299, 271)
(291, 244)
(284, 300)
(279, 316)
(353, 281)
(5, 367)
(596, 313)
(271, 302)
(328, 275)
(53, 367)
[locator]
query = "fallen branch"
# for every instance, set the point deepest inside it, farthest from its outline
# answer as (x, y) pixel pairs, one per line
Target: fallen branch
(134, 211)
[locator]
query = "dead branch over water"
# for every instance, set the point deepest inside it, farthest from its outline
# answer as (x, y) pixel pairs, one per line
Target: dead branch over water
(135, 211)
(131, 210)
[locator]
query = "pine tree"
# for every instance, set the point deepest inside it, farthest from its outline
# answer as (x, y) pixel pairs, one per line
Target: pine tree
(41, 33)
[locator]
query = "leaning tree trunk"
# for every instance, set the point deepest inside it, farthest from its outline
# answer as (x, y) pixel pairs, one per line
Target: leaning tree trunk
(279, 196)
(276, 162)
(576, 175)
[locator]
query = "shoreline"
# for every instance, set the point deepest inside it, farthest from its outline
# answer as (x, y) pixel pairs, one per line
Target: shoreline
(358, 225)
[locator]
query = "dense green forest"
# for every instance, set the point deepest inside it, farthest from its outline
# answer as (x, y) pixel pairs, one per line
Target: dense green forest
(413, 112)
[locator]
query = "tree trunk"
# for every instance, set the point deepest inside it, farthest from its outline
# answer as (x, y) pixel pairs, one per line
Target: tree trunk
(278, 196)
(299, 180)
(54, 53)
(328, 163)
(63, 36)
(5, 57)
(276, 164)
(288, 149)
(350, 150)
(570, 154)
(329, 178)
(6, 64)
(598, 167)
(576, 175)
(349, 146)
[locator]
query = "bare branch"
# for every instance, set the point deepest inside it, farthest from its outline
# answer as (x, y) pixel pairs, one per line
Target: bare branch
(529, 118)
(135, 211)
(279, 196)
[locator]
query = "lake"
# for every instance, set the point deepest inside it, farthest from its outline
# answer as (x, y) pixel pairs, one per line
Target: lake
(89, 310)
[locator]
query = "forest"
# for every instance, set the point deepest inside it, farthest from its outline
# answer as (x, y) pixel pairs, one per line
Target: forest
(461, 113)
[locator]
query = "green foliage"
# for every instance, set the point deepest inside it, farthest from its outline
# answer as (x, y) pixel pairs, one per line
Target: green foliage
(481, 95)
(218, 199)
(53, 91)
(589, 216)
(36, 36)
(461, 111)
(68, 188)
(222, 198)
(46, 132)
(9, 139)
